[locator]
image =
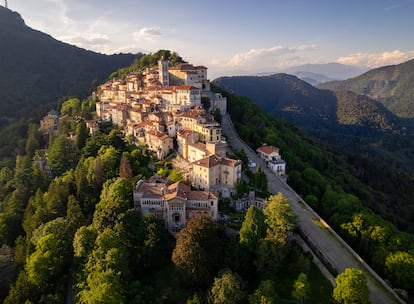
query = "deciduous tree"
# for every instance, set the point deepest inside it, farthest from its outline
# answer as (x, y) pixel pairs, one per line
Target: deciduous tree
(197, 251)
(351, 287)
(301, 288)
(104, 287)
(228, 288)
(264, 294)
(45, 264)
(279, 218)
(400, 267)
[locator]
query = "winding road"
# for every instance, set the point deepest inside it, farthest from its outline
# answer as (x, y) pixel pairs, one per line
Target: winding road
(327, 242)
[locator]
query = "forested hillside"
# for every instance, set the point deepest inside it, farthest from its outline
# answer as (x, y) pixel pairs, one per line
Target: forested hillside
(36, 69)
(74, 236)
(355, 123)
(390, 85)
(359, 197)
(73, 233)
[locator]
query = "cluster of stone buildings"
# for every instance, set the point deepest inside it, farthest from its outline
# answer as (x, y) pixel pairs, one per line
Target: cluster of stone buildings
(158, 105)
(159, 102)
(162, 104)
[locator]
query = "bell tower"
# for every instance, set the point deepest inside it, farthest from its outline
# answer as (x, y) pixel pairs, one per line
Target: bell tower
(163, 77)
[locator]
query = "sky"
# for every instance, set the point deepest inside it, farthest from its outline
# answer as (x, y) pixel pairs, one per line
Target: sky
(234, 37)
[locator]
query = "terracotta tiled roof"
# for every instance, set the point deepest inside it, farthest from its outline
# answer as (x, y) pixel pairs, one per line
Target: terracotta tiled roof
(214, 160)
(198, 146)
(201, 196)
(268, 149)
(183, 191)
(151, 190)
(159, 135)
(184, 132)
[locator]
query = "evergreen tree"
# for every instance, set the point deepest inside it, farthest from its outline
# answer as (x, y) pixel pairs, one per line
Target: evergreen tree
(33, 141)
(74, 215)
(81, 135)
(61, 155)
(253, 228)
(125, 170)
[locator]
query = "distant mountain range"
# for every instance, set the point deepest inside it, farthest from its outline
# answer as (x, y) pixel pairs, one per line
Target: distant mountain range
(311, 78)
(346, 119)
(330, 71)
(38, 69)
(393, 86)
(287, 96)
(319, 73)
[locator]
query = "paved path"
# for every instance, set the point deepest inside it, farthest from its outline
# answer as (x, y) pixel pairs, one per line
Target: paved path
(333, 248)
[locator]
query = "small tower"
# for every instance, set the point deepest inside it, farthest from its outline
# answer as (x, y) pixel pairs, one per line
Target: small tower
(5, 4)
(163, 72)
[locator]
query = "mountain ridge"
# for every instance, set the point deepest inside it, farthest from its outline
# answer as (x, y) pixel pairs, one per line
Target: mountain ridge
(391, 85)
(289, 97)
(355, 123)
(38, 69)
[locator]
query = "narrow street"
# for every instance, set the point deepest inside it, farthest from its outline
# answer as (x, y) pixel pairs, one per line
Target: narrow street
(332, 247)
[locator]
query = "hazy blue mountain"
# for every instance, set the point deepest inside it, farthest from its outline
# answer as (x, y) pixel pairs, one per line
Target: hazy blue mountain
(312, 78)
(38, 69)
(335, 71)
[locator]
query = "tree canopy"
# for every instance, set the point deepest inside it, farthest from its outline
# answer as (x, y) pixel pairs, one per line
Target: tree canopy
(197, 250)
(228, 288)
(351, 287)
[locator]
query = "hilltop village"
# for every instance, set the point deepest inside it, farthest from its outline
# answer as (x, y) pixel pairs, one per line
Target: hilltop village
(169, 109)
(164, 103)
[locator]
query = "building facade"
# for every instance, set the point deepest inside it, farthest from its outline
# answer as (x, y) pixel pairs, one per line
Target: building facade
(274, 161)
(174, 204)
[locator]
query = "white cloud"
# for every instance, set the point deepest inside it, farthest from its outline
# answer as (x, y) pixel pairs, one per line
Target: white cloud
(89, 41)
(273, 59)
(38, 13)
(254, 56)
(147, 33)
(373, 60)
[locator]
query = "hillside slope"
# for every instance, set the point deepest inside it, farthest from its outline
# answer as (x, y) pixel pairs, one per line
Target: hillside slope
(390, 85)
(37, 69)
(288, 97)
(353, 122)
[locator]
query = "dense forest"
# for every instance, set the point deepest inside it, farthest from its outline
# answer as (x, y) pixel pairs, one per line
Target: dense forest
(343, 189)
(354, 123)
(73, 235)
(390, 85)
